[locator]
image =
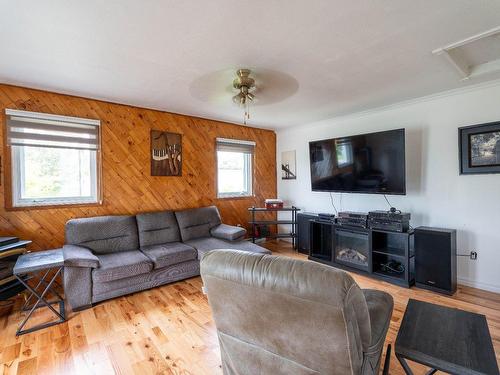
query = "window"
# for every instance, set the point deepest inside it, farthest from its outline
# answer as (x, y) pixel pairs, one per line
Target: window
(54, 159)
(234, 168)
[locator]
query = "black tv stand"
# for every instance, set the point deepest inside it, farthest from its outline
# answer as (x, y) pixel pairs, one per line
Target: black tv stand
(382, 254)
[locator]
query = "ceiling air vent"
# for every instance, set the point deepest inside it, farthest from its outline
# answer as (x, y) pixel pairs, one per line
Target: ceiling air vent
(474, 56)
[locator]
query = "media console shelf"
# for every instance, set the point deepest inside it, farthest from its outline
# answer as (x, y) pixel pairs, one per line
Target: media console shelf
(378, 253)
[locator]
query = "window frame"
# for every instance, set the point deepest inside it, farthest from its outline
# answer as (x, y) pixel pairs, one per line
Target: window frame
(18, 177)
(250, 177)
(10, 178)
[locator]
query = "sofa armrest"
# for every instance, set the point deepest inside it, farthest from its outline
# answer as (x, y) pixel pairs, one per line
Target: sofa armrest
(228, 232)
(78, 256)
(78, 287)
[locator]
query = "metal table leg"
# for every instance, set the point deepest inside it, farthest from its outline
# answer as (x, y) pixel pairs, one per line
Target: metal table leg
(26, 303)
(42, 302)
(26, 306)
(407, 368)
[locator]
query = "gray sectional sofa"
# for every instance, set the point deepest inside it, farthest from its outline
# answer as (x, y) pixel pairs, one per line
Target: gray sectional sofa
(110, 256)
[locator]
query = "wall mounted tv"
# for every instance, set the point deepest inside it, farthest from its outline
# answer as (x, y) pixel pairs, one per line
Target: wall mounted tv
(371, 163)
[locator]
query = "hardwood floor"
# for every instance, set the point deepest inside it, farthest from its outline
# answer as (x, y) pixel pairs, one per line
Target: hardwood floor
(169, 330)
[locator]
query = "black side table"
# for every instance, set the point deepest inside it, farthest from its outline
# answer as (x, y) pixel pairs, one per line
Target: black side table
(445, 339)
(43, 267)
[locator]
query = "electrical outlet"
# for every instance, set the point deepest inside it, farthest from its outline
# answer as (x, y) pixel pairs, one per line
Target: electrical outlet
(473, 255)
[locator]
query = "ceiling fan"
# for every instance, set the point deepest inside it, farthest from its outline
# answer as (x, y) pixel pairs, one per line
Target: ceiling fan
(243, 87)
(245, 84)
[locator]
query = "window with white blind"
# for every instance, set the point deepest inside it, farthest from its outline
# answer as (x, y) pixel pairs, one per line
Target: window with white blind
(54, 159)
(234, 168)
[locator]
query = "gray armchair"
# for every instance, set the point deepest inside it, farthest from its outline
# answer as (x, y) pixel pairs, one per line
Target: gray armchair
(277, 315)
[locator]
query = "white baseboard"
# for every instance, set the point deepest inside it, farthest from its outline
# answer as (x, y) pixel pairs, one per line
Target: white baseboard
(479, 285)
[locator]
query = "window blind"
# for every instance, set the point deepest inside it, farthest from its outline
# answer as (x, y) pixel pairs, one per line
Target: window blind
(235, 145)
(44, 130)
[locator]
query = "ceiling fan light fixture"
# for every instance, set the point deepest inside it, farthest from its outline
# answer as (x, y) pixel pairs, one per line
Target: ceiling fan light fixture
(239, 99)
(245, 84)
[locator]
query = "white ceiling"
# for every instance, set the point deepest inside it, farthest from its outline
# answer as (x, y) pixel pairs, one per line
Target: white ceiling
(340, 56)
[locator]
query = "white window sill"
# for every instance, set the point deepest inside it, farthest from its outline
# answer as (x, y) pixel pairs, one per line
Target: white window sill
(50, 203)
(234, 196)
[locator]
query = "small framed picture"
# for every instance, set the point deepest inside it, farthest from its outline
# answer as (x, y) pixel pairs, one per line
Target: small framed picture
(479, 148)
(288, 165)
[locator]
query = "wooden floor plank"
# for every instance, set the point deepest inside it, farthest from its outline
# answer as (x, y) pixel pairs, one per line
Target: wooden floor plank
(169, 330)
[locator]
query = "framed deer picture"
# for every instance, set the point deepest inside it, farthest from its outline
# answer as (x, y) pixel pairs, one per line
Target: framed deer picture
(166, 153)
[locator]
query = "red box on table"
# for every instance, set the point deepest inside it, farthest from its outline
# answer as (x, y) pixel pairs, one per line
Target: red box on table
(274, 203)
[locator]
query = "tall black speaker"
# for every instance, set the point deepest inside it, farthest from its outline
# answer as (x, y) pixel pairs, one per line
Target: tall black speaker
(303, 231)
(436, 259)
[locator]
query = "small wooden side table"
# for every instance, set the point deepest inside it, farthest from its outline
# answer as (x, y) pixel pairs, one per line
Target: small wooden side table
(43, 267)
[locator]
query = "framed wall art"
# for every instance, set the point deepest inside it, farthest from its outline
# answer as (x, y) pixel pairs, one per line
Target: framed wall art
(479, 148)
(288, 165)
(166, 153)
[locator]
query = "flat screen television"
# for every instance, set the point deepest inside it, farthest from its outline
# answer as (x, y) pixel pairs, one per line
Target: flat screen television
(371, 163)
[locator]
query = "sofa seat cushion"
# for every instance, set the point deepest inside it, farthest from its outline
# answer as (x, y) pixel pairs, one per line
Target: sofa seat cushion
(205, 244)
(121, 265)
(169, 254)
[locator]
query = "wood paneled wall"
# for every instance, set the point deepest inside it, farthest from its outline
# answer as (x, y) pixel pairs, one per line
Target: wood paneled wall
(128, 186)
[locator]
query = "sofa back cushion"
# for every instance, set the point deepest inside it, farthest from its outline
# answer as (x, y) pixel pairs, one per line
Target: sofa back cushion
(103, 234)
(157, 228)
(197, 222)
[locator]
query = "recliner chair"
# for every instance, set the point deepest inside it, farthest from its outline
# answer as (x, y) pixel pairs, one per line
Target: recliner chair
(276, 315)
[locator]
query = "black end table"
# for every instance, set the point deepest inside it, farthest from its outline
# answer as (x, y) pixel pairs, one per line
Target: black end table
(43, 267)
(445, 339)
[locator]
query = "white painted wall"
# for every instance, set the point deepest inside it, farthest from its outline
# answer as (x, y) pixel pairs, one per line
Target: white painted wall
(436, 194)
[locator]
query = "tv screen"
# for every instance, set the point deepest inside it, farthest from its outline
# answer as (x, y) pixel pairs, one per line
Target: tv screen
(366, 163)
